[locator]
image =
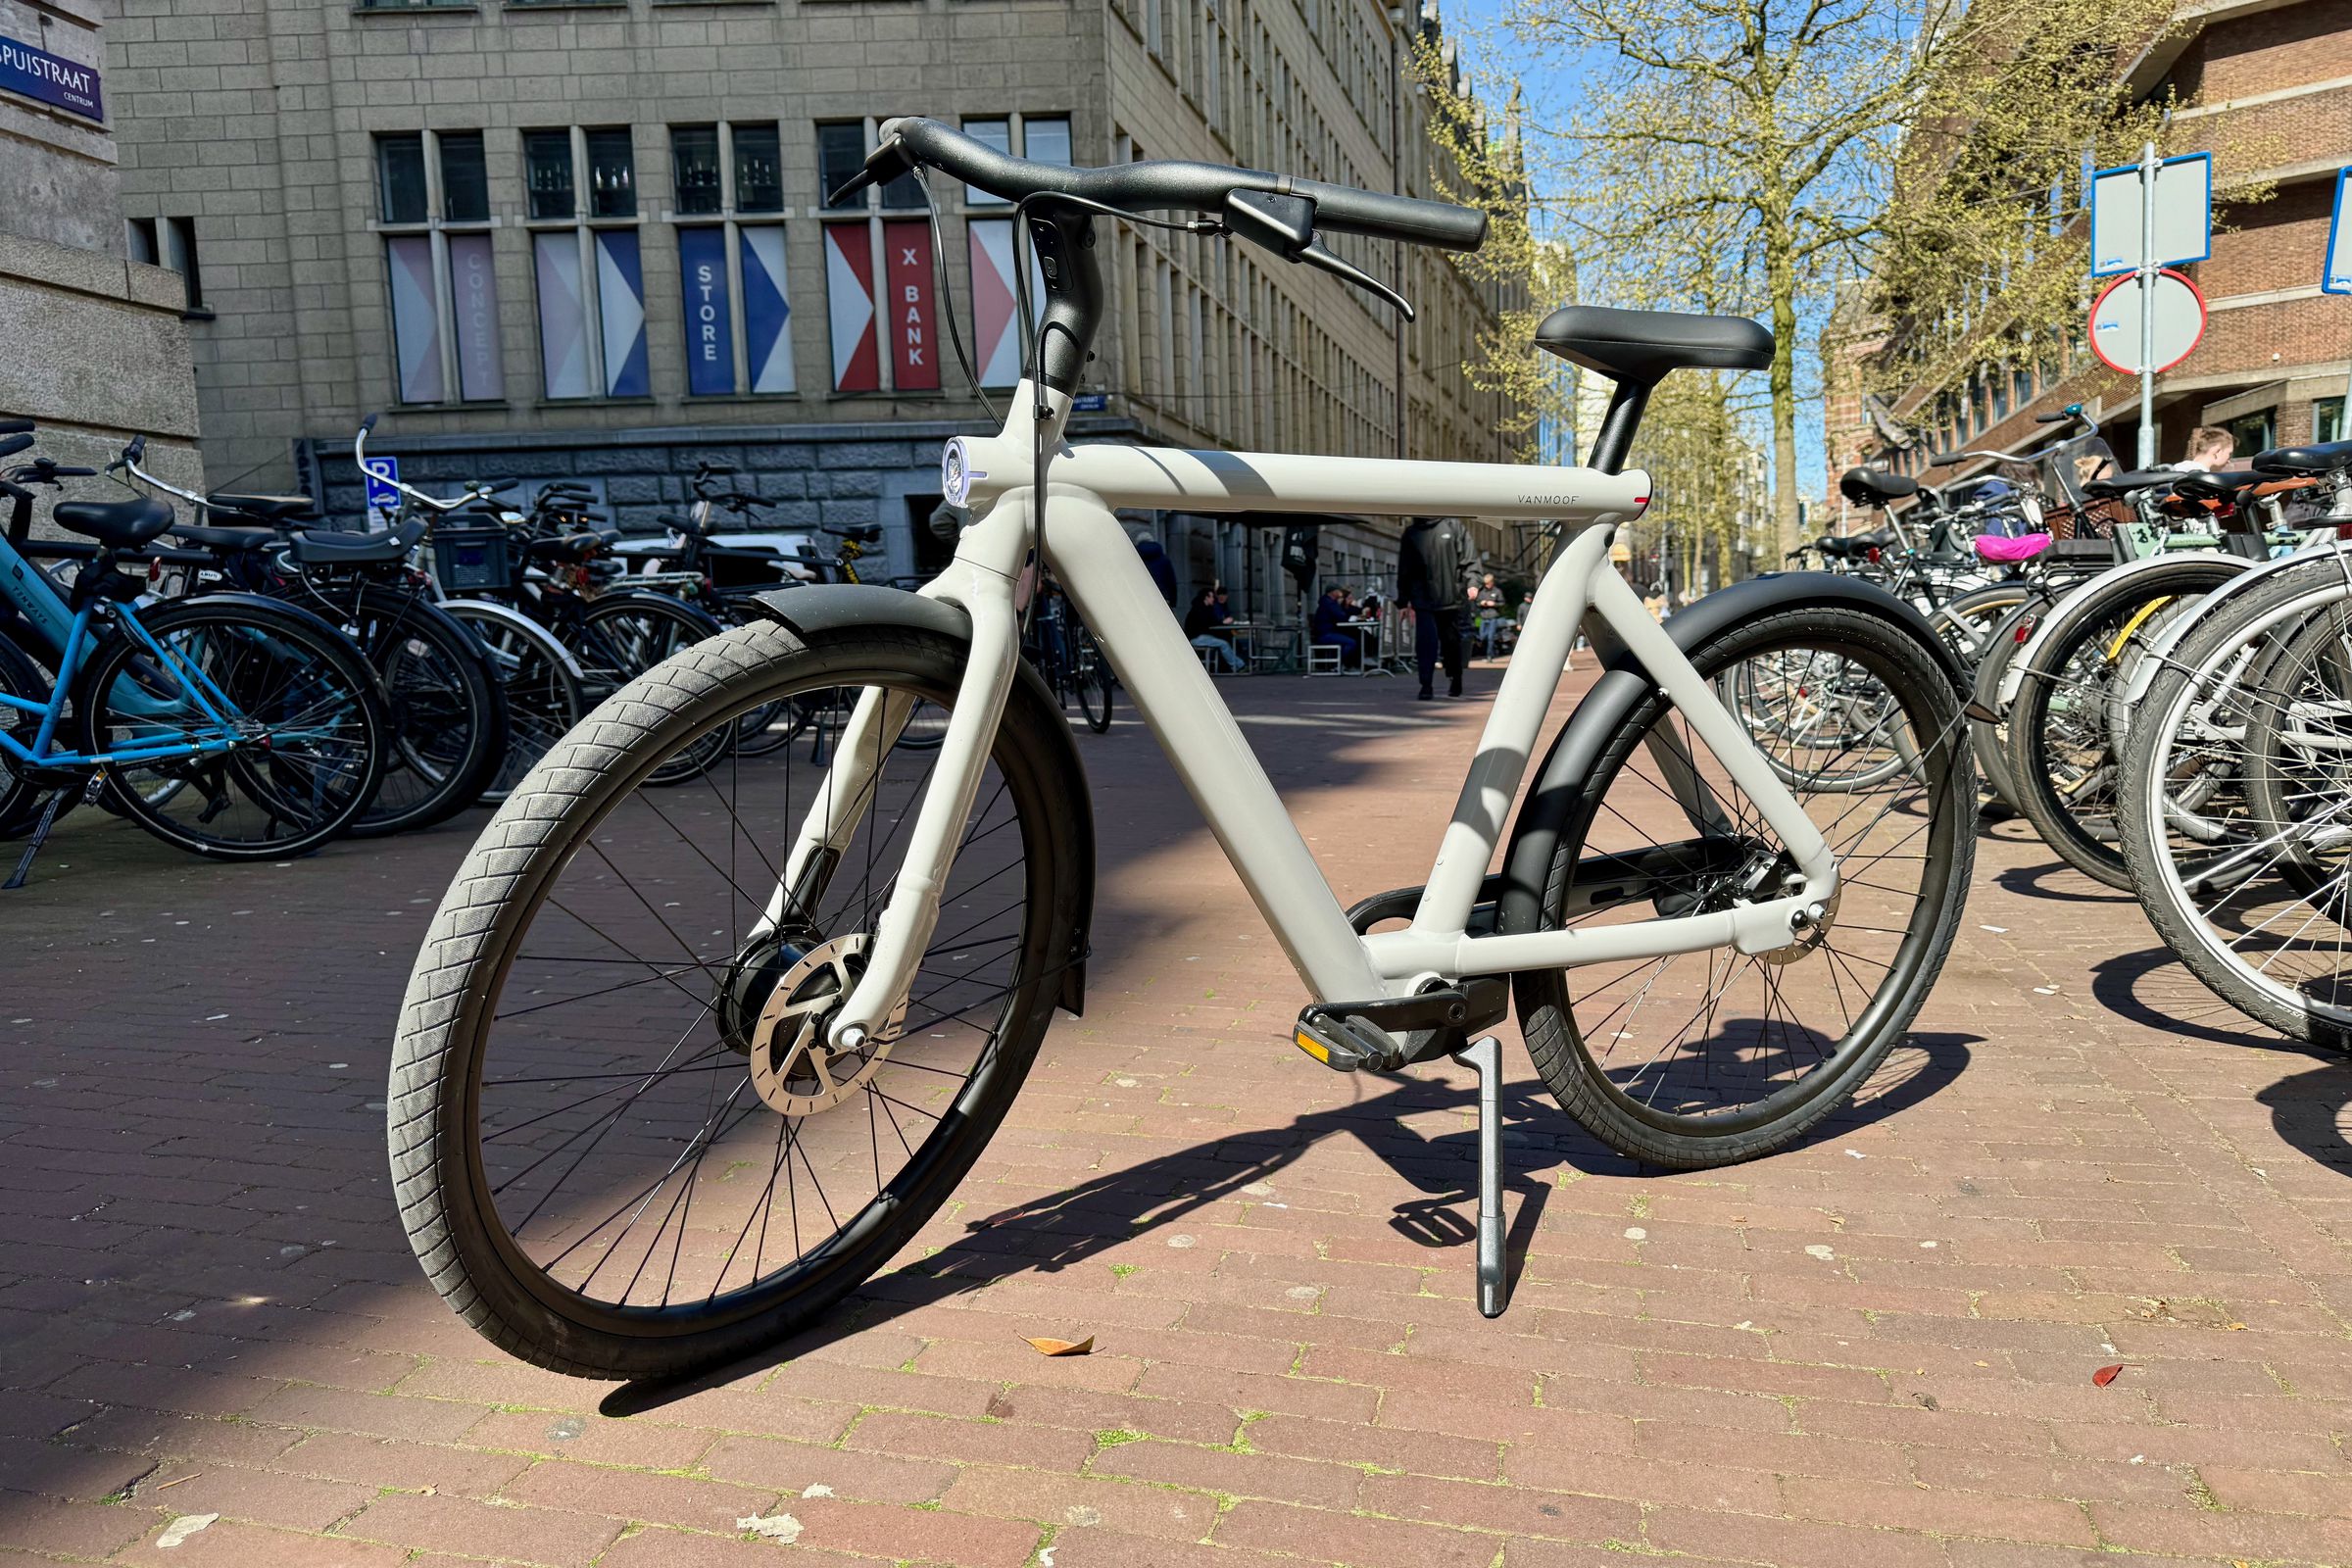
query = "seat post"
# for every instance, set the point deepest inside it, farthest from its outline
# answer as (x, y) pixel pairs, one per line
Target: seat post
(1615, 441)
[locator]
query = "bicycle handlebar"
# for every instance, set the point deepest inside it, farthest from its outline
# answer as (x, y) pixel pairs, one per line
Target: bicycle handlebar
(1161, 185)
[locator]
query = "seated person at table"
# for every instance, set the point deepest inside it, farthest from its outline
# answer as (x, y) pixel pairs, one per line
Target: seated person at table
(1200, 624)
(1330, 630)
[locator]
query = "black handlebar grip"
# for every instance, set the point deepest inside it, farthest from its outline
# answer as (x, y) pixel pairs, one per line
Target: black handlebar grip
(1386, 217)
(2055, 416)
(368, 425)
(1940, 458)
(10, 446)
(16, 426)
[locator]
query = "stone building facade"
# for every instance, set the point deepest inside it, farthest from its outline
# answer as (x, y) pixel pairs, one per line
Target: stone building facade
(97, 348)
(2272, 77)
(589, 239)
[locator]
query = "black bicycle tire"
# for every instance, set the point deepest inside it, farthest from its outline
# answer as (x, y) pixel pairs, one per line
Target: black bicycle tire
(438, 1043)
(1548, 1023)
(483, 696)
(329, 646)
(2180, 580)
(1091, 670)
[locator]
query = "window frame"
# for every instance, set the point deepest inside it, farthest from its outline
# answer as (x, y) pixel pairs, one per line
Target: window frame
(731, 220)
(438, 231)
(584, 224)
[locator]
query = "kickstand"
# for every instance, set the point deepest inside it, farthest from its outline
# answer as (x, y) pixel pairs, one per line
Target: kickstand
(1485, 1054)
(40, 832)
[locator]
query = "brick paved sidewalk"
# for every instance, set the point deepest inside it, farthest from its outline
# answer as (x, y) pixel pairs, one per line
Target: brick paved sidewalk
(1877, 1349)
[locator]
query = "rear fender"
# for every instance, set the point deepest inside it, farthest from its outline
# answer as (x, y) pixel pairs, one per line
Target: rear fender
(820, 610)
(1575, 752)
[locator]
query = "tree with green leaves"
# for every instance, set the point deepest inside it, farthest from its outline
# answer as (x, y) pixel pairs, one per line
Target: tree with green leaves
(1745, 155)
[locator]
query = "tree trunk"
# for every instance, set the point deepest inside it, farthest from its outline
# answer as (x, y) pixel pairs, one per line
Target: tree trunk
(1780, 281)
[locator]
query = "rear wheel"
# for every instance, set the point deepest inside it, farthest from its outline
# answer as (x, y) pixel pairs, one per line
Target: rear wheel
(615, 1154)
(534, 671)
(1706, 1059)
(2063, 758)
(448, 712)
(1091, 672)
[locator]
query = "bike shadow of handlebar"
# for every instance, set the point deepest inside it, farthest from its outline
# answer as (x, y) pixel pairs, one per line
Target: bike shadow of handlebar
(1080, 1223)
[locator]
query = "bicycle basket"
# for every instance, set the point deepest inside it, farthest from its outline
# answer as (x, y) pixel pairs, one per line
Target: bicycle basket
(473, 560)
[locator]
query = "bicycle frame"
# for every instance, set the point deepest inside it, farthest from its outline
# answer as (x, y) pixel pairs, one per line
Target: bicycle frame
(68, 632)
(1091, 557)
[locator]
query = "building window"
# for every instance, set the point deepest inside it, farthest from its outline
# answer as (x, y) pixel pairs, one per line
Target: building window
(547, 171)
(2326, 420)
(168, 243)
(399, 177)
(611, 173)
(439, 267)
(759, 169)
(589, 269)
(694, 168)
(2257, 431)
(879, 297)
(732, 280)
(464, 179)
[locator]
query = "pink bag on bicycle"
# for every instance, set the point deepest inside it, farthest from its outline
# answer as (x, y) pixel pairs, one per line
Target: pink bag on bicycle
(2007, 552)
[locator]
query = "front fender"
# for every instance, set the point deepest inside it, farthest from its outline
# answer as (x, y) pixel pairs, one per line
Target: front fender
(819, 610)
(1575, 752)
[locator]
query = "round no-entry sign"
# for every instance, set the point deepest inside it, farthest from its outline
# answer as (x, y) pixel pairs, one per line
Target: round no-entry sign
(2115, 330)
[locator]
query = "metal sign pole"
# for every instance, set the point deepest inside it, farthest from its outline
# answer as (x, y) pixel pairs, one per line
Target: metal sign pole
(2148, 305)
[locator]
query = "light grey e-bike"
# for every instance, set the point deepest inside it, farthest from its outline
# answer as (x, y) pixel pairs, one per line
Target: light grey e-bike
(682, 1063)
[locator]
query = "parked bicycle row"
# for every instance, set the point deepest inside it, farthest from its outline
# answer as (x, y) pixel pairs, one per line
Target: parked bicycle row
(254, 684)
(2162, 685)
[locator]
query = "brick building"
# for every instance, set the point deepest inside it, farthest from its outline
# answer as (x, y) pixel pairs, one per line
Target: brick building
(588, 239)
(2261, 74)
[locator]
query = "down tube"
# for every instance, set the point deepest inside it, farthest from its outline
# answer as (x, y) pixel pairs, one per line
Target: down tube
(1105, 579)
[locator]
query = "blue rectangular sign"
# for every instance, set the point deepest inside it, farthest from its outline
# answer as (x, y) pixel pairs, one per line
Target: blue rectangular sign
(2335, 270)
(709, 319)
(52, 78)
(384, 500)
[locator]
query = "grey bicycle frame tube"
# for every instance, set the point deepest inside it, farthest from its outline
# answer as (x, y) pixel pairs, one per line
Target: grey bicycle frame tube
(1097, 566)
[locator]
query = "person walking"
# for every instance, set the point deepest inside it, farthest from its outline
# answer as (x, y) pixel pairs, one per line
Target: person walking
(1431, 562)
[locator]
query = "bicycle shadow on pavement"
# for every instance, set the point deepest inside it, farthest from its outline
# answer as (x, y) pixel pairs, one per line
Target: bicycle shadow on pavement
(1079, 1223)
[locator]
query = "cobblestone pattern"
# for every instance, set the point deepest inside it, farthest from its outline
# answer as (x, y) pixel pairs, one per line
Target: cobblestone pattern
(1877, 1349)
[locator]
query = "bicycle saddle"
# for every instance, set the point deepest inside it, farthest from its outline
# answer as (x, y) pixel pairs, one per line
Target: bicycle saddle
(1641, 346)
(227, 540)
(2123, 484)
(117, 523)
(2008, 550)
(1855, 545)
(570, 548)
(2324, 459)
(324, 547)
(1875, 487)
(276, 508)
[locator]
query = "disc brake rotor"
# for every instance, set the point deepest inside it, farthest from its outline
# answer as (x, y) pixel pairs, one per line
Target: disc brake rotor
(794, 1066)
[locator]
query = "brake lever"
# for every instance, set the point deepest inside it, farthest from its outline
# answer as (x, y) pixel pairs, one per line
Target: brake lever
(1315, 256)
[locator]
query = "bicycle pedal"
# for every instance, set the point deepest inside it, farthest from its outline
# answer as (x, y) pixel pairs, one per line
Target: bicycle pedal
(1342, 1043)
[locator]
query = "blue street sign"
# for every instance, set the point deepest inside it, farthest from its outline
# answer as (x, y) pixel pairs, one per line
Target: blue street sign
(2335, 275)
(52, 78)
(1090, 403)
(383, 500)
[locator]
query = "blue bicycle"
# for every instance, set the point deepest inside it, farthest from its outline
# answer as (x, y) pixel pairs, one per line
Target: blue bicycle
(231, 725)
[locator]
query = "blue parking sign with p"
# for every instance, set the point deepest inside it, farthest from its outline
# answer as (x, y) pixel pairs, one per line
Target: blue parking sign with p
(383, 499)
(2335, 277)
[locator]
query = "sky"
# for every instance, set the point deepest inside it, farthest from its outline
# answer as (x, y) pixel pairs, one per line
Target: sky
(1469, 19)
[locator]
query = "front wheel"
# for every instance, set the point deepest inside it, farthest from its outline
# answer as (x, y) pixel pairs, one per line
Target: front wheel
(1706, 1059)
(619, 1141)
(1091, 672)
